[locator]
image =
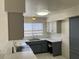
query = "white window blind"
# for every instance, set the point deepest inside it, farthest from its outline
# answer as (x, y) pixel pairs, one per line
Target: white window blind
(33, 29)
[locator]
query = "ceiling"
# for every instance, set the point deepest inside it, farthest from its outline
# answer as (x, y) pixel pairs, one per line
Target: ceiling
(52, 5)
(62, 4)
(32, 6)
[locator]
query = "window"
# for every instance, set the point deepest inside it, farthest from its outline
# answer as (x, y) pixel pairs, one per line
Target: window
(33, 29)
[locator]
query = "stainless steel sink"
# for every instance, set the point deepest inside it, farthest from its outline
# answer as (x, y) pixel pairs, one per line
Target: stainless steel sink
(34, 39)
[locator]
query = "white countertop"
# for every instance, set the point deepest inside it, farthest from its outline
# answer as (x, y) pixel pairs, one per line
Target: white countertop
(55, 37)
(48, 39)
(51, 40)
(22, 55)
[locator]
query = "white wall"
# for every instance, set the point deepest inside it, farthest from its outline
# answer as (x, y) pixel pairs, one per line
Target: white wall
(65, 40)
(3, 25)
(61, 15)
(62, 4)
(32, 6)
(3, 30)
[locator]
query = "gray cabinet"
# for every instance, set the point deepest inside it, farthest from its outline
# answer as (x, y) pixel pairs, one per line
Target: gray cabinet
(59, 25)
(15, 6)
(38, 46)
(43, 47)
(55, 48)
(15, 26)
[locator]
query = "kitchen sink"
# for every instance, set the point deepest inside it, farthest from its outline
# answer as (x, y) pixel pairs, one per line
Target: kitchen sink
(34, 39)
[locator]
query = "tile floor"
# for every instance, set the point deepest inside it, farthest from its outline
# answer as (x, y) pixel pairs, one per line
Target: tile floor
(48, 56)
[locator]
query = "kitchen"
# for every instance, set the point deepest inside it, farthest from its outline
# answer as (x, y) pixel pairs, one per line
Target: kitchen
(58, 28)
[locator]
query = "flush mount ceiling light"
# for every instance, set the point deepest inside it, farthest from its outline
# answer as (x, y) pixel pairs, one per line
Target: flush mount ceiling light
(43, 12)
(33, 18)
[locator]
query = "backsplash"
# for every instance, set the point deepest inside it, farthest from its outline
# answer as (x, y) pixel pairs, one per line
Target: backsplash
(56, 36)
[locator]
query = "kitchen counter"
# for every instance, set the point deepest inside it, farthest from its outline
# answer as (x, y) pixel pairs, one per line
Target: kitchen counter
(51, 40)
(55, 37)
(22, 55)
(45, 45)
(47, 39)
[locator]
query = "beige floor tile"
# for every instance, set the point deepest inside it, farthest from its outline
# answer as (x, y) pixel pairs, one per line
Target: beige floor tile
(48, 56)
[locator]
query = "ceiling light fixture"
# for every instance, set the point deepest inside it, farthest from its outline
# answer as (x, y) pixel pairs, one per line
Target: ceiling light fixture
(43, 12)
(34, 18)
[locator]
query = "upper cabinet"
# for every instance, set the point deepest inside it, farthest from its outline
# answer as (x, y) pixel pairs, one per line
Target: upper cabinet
(15, 5)
(51, 27)
(54, 26)
(59, 26)
(15, 26)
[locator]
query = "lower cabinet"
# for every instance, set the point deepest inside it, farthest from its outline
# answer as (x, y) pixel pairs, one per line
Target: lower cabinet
(57, 48)
(38, 46)
(44, 46)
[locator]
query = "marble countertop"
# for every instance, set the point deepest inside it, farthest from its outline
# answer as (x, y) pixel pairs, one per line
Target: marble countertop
(52, 40)
(48, 39)
(22, 55)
